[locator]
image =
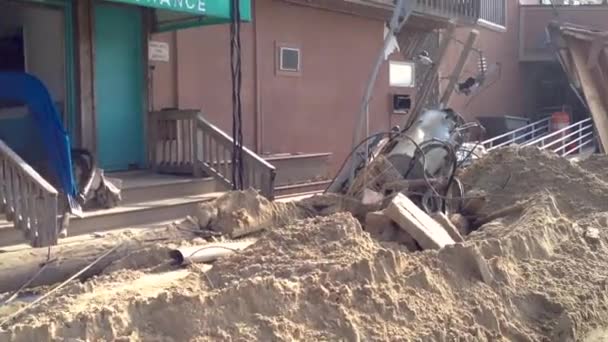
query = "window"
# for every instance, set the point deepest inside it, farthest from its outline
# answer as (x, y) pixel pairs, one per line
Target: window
(289, 59)
(401, 74)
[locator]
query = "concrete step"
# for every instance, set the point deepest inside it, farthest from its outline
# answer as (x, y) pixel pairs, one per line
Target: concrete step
(127, 215)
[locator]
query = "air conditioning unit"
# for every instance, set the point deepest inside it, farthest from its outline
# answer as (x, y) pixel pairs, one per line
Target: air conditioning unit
(401, 103)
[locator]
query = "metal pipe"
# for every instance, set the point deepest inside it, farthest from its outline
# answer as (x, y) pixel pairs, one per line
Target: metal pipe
(208, 252)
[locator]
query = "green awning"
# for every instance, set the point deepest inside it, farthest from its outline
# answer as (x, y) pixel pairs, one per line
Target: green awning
(178, 14)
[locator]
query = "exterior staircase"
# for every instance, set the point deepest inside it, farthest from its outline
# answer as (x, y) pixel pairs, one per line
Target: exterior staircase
(190, 163)
(569, 141)
(147, 198)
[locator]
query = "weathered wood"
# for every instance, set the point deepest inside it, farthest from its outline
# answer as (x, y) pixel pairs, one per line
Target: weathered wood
(445, 222)
(20, 182)
(427, 232)
(461, 223)
(474, 203)
(383, 228)
(508, 211)
(591, 90)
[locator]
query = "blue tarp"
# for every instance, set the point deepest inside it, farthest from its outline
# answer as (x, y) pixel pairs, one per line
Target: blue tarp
(39, 138)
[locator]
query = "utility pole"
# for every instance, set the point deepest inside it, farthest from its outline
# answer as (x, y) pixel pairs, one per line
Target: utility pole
(402, 11)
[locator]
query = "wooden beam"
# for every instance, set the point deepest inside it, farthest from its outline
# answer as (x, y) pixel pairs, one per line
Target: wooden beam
(464, 55)
(591, 89)
(427, 232)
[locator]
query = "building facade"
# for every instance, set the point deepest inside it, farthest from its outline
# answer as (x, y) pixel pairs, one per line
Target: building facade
(311, 106)
(93, 57)
(531, 83)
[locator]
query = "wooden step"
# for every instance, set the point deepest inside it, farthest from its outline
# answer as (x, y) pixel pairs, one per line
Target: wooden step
(301, 188)
(127, 215)
(144, 186)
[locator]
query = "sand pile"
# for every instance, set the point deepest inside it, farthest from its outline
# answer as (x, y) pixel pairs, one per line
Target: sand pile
(597, 164)
(540, 276)
(512, 174)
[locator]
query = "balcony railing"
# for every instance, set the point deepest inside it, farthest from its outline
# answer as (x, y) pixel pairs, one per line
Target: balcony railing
(462, 10)
(494, 12)
(438, 12)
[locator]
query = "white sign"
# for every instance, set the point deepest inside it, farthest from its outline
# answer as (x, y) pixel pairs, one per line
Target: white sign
(158, 51)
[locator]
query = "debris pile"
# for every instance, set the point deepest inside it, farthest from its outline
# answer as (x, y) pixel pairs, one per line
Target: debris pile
(540, 273)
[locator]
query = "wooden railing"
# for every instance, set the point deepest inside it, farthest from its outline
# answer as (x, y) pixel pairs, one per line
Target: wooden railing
(184, 142)
(27, 199)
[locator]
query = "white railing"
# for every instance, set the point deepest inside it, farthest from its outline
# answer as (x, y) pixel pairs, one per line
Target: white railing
(568, 140)
(519, 136)
(27, 199)
(183, 141)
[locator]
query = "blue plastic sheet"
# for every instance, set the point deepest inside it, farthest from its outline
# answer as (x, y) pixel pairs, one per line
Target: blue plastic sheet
(39, 138)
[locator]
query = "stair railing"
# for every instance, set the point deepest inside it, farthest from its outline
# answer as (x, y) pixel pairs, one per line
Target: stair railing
(520, 135)
(568, 140)
(27, 199)
(183, 141)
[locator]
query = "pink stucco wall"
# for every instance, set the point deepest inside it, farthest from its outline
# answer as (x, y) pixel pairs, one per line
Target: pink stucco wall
(308, 113)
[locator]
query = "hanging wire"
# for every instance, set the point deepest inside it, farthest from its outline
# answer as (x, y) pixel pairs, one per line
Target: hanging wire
(237, 110)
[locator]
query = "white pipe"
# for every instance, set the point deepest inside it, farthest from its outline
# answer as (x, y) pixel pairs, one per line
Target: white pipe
(208, 252)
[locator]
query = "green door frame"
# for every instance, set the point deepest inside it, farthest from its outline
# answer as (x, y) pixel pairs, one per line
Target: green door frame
(70, 66)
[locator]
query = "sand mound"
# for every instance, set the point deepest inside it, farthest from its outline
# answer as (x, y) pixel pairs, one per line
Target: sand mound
(542, 276)
(513, 174)
(597, 164)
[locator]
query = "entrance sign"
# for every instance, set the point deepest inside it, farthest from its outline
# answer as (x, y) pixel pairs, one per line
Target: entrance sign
(189, 6)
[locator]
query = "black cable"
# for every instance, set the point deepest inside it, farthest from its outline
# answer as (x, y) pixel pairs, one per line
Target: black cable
(471, 153)
(237, 110)
(418, 149)
(353, 151)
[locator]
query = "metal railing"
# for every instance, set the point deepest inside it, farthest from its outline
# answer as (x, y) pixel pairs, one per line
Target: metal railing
(568, 140)
(27, 199)
(494, 11)
(182, 141)
(464, 10)
(519, 136)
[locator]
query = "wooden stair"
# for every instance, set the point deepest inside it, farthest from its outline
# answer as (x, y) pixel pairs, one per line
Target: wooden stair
(148, 198)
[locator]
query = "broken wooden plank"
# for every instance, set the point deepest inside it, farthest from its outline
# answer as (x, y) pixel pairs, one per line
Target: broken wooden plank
(383, 228)
(427, 232)
(449, 227)
(591, 90)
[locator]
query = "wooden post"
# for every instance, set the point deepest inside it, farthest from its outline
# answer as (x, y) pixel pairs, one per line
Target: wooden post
(464, 55)
(431, 77)
(598, 108)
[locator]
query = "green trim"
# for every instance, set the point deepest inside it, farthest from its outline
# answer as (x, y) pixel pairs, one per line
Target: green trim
(70, 71)
(218, 12)
(188, 23)
(198, 7)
